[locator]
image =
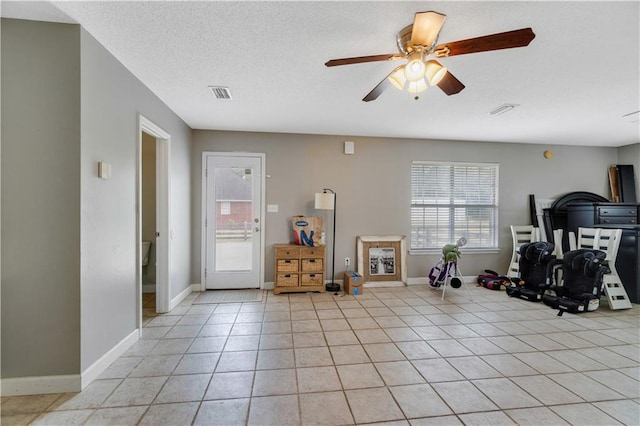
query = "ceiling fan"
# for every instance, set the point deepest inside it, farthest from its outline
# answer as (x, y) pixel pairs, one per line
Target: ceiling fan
(417, 42)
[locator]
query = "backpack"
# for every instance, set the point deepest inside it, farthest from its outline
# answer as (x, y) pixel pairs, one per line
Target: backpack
(492, 280)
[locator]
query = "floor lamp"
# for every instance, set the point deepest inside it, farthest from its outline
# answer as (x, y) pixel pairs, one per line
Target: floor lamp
(326, 200)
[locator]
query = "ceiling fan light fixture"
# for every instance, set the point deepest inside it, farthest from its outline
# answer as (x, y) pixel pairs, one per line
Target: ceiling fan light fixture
(398, 79)
(435, 72)
(419, 41)
(415, 69)
(417, 86)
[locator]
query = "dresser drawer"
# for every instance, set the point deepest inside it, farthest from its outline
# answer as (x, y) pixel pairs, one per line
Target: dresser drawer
(283, 252)
(618, 220)
(311, 279)
(312, 251)
(287, 280)
(617, 211)
(287, 265)
(312, 265)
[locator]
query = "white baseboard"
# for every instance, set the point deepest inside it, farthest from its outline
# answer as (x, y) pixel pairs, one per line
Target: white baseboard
(417, 280)
(92, 373)
(67, 383)
(425, 280)
(39, 385)
(182, 295)
(382, 284)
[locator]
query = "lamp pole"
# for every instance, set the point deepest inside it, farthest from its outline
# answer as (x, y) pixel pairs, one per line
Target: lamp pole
(332, 286)
(333, 249)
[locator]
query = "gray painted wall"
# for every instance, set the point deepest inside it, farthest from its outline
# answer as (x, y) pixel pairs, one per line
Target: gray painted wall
(40, 199)
(112, 98)
(69, 238)
(373, 185)
(630, 154)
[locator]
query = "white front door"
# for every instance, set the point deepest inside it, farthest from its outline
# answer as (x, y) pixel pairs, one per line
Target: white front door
(233, 220)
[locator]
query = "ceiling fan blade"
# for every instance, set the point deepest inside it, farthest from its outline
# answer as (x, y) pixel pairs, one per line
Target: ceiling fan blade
(426, 27)
(362, 59)
(450, 85)
(377, 91)
(506, 40)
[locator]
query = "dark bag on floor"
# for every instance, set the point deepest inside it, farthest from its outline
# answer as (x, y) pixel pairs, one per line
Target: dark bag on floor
(492, 280)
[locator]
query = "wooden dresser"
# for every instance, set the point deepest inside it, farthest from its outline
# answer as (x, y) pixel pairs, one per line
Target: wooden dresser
(298, 268)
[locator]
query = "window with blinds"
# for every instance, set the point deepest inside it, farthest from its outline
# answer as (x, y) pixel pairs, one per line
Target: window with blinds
(453, 200)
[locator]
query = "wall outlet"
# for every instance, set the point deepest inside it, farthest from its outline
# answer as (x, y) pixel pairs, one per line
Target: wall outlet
(347, 262)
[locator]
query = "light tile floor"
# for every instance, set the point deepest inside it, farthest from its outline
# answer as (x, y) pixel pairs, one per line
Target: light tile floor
(397, 355)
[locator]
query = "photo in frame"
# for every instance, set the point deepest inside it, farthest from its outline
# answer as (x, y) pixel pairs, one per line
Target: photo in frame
(381, 260)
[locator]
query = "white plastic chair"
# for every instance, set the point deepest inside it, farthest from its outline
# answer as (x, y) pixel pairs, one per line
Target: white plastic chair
(520, 234)
(557, 242)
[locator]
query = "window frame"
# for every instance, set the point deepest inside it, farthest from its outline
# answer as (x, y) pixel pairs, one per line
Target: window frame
(495, 168)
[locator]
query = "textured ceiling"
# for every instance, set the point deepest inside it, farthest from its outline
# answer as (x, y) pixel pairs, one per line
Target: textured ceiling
(573, 83)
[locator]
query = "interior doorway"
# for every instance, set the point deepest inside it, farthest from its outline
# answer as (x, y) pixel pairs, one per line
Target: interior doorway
(153, 222)
(149, 213)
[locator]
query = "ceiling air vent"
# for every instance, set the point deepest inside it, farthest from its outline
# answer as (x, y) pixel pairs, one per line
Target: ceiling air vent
(220, 92)
(502, 109)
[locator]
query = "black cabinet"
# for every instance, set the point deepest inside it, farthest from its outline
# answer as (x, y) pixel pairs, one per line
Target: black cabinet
(614, 216)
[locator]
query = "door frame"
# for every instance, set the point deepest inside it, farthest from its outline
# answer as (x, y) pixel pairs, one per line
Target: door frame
(163, 216)
(203, 216)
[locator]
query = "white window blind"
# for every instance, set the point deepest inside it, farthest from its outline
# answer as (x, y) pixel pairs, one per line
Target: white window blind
(453, 200)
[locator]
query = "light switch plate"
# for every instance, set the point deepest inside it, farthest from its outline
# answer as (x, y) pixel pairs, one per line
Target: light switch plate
(349, 147)
(272, 208)
(104, 170)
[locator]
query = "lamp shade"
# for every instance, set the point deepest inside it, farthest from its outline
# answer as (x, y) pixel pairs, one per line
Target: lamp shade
(415, 69)
(397, 78)
(435, 72)
(325, 201)
(417, 86)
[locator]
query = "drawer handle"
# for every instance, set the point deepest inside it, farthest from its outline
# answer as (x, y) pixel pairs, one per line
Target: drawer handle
(287, 276)
(606, 221)
(287, 261)
(312, 275)
(312, 261)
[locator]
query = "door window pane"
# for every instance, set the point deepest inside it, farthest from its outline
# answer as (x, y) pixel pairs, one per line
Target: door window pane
(234, 229)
